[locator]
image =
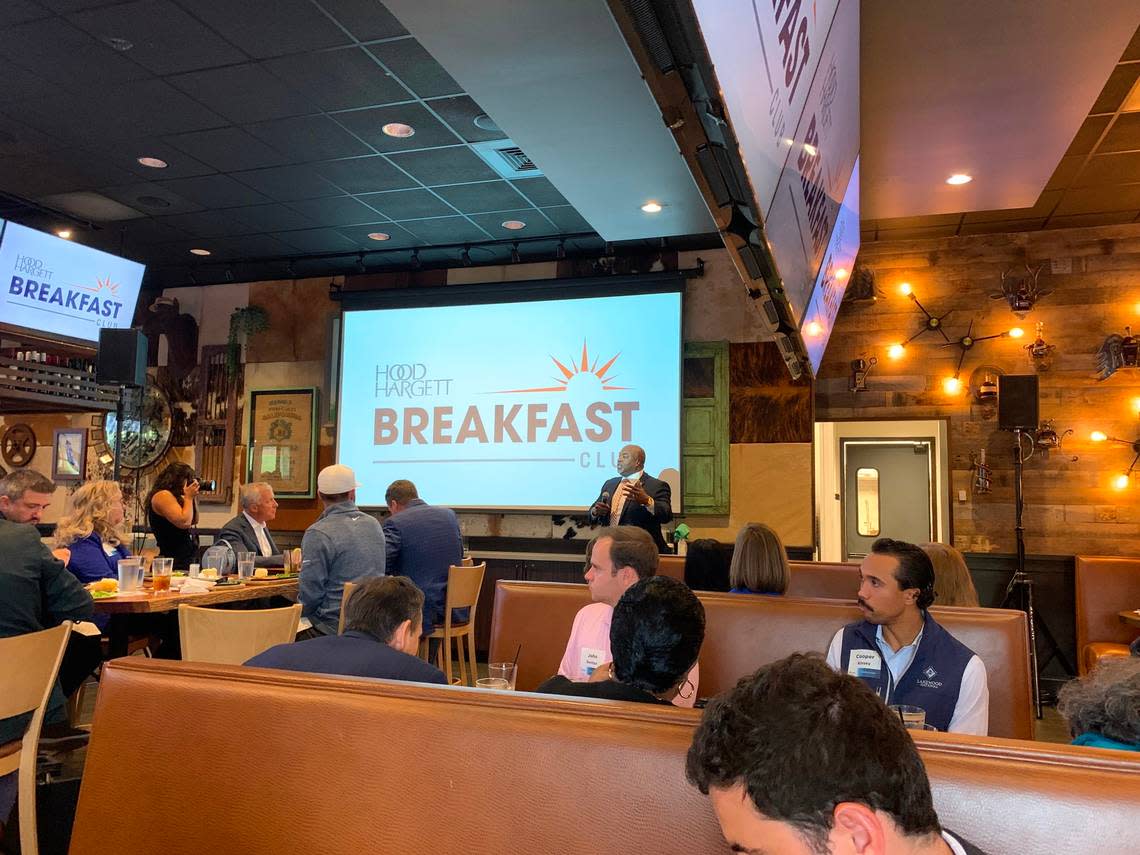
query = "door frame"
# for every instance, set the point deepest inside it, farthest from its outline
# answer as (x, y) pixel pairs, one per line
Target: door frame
(828, 473)
(931, 457)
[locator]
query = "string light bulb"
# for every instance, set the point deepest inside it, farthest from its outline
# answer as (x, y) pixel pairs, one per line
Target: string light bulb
(896, 351)
(1120, 482)
(1016, 332)
(951, 385)
(905, 289)
(1098, 436)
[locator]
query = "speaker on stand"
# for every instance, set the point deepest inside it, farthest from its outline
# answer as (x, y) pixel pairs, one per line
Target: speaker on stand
(121, 362)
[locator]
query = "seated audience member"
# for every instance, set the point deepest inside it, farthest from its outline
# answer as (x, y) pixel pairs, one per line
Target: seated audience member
(706, 566)
(343, 545)
(800, 760)
(380, 639)
(617, 558)
(422, 542)
(24, 496)
(1103, 707)
(249, 530)
(952, 581)
(93, 532)
(656, 634)
(759, 562)
(901, 652)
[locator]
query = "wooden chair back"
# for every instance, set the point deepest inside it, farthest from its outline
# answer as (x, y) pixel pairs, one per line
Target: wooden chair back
(231, 637)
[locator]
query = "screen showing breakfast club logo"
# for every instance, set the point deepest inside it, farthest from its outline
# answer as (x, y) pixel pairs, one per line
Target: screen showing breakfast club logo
(53, 285)
(509, 405)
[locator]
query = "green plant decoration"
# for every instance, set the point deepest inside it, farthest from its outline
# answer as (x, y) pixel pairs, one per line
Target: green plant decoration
(243, 322)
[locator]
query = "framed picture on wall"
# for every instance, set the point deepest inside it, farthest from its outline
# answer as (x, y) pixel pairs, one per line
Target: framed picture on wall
(69, 455)
(283, 441)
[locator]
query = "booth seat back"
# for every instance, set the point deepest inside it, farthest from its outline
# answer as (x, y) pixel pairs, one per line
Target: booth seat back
(187, 758)
(809, 578)
(744, 632)
(1104, 588)
(672, 565)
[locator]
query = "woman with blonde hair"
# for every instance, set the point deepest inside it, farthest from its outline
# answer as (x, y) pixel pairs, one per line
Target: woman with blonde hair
(93, 531)
(953, 585)
(759, 562)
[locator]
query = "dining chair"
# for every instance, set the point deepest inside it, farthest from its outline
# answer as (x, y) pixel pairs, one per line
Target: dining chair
(467, 561)
(29, 665)
(463, 586)
(349, 587)
(231, 637)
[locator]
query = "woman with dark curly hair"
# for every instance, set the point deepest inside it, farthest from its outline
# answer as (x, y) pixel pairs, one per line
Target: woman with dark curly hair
(171, 512)
(1103, 707)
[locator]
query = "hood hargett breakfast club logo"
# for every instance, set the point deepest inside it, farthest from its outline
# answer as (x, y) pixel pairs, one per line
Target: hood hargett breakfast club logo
(83, 301)
(506, 423)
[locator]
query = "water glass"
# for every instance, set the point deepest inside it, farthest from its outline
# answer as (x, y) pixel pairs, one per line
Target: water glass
(244, 565)
(913, 718)
(130, 575)
(195, 570)
(507, 671)
(492, 683)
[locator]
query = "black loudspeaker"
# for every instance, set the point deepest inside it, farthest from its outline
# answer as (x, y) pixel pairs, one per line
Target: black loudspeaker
(122, 358)
(1017, 402)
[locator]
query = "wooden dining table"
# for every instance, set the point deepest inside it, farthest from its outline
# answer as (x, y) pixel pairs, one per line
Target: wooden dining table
(122, 608)
(1131, 617)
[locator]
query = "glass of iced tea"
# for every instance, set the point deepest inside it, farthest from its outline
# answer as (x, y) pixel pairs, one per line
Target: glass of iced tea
(161, 570)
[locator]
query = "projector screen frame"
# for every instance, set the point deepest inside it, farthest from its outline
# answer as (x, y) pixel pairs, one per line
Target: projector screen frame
(533, 290)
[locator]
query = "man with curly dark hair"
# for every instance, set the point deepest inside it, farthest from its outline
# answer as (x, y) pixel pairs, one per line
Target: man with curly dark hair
(902, 653)
(800, 760)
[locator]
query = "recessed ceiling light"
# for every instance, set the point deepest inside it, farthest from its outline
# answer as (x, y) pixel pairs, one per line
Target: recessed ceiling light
(514, 225)
(959, 178)
(651, 207)
(64, 233)
(378, 236)
(153, 162)
(398, 129)
(198, 251)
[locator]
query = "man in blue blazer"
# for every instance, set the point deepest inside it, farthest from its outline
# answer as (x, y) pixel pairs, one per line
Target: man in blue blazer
(249, 530)
(634, 498)
(422, 542)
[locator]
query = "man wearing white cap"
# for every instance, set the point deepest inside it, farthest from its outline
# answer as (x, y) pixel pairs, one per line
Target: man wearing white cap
(343, 545)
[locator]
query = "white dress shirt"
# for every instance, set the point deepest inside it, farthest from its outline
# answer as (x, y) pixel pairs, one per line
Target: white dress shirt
(262, 538)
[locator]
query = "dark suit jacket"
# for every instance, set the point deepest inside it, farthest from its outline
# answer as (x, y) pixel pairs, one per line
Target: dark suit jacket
(238, 533)
(422, 542)
(353, 654)
(639, 515)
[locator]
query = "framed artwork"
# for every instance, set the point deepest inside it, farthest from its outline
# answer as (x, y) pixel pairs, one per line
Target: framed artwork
(69, 455)
(283, 441)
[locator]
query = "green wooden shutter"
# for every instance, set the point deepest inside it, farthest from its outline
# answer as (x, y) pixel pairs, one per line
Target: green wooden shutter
(704, 428)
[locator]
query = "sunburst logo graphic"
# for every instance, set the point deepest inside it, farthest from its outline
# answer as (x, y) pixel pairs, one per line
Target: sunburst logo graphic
(577, 368)
(102, 285)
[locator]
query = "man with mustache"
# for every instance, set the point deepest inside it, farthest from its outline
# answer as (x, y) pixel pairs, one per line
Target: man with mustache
(901, 652)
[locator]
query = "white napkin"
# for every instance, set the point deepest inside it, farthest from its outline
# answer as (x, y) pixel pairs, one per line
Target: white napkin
(196, 586)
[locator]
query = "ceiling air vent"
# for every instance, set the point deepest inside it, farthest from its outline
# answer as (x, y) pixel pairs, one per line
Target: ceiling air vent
(507, 159)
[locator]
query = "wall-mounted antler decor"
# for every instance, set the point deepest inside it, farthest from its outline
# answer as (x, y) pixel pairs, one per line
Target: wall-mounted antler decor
(1021, 292)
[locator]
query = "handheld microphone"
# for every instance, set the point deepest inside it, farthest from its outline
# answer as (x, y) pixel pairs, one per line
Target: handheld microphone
(605, 497)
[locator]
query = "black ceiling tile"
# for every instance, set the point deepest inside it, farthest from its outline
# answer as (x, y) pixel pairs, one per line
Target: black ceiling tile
(215, 191)
(481, 197)
(227, 149)
(1124, 135)
(407, 59)
(66, 55)
(540, 191)
(27, 175)
(244, 93)
(18, 138)
(270, 218)
(1102, 169)
(286, 183)
(206, 224)
(407, 204)
(307, 138)
(335, 211)
(368, 125)
(19, 11)
(86, 169)
(536, 224)
(139, 108)
(316, 240)
(24, 84)
(147, 231)
(460, 112)
(265, 28)
(1087, 135)
(1120, 83)
(567, 219)
(248, 246)
(365, 19)
(151, 198)
(63, 6)
(457, 165)
(365, 175)
(445, 230)
(339, 79)
(166, 39)
(178, 163)
(1132, 52)
(397, 237)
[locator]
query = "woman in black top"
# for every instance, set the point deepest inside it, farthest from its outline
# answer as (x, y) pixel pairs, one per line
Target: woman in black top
(171, 512)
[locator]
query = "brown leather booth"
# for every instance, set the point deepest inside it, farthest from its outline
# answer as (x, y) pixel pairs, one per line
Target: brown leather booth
(744, 632)
(1104, 588)
(809, 578)
(187, 758)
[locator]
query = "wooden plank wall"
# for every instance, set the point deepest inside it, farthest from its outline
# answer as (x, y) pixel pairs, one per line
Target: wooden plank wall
(1071, 504)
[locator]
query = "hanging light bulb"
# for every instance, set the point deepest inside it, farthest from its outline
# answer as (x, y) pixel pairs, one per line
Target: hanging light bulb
(1120, 482)
(905, 289)
(951, 385)
(1098, 436)
(896, 351)
(1016, 332)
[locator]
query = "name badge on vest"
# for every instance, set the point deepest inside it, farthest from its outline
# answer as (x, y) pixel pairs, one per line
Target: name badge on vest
(864, 663)
(589, 659)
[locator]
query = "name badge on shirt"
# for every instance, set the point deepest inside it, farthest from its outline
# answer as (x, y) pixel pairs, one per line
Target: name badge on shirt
(864, 663)
(589, 659)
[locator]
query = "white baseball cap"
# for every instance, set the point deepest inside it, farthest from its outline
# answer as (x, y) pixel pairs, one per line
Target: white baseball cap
(335, 479)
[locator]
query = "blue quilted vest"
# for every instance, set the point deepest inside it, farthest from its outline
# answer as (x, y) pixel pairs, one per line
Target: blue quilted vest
(933, 679)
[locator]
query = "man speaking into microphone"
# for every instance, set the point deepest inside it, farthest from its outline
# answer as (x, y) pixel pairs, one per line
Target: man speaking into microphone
(634, 498)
